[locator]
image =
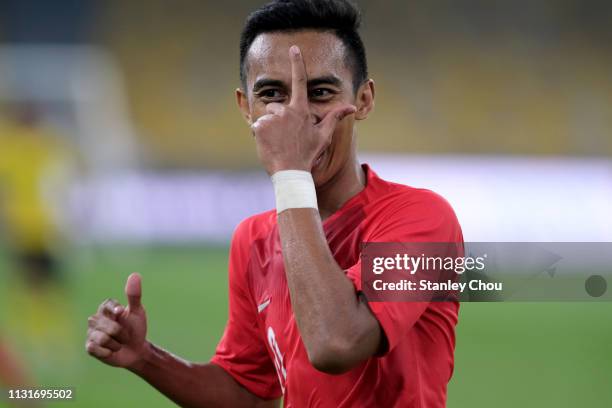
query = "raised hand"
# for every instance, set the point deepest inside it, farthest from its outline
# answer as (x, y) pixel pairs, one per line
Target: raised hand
(117, 334)
(289, 137)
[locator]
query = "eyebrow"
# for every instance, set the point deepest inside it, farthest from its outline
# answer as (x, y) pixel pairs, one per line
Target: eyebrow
(322, 80)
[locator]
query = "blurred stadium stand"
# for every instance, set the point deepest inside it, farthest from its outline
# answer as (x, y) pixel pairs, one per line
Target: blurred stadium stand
(526, 77)
(503, 107)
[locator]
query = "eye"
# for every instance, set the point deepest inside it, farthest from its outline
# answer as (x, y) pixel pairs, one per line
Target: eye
(321, 94)
(270, 95)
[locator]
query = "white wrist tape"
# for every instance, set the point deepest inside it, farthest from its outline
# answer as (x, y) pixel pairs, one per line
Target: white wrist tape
(294, 189)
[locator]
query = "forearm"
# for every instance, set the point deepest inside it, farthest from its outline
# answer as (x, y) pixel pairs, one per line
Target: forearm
(333, 322)
(194, 385)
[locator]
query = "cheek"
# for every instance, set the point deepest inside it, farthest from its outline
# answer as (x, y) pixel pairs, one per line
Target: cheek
(342, 137)
(256, 114)
(257, 109)
(340, 148)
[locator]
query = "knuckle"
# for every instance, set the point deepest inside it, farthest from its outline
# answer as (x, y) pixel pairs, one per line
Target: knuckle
(95, 336)
(103, 321)
(98, 336)
(109, 302)
(114, 329)
(104, 338)
(106, 326)
(103, 305)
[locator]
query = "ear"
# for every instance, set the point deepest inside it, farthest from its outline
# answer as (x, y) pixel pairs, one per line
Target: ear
(364, 101)
(243, 105)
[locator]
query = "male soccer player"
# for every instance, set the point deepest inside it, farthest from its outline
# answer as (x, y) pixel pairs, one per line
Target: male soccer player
(299, 326)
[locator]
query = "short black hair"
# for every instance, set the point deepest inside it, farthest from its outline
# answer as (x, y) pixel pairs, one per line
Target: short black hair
(340, 17)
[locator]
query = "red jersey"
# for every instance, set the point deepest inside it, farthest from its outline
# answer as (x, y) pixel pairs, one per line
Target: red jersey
(261, 347)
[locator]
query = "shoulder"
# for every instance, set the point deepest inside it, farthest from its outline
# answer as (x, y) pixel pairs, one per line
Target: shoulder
(409, 212)
(254, 227)
(245, 234)
(415, 201)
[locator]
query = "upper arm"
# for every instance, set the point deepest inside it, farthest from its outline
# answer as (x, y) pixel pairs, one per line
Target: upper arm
(427, 219)
(235, 394)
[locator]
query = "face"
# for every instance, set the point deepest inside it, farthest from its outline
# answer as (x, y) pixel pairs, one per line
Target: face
(330, 84)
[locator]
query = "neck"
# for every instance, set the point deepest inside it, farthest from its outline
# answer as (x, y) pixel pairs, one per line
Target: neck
(345, 184)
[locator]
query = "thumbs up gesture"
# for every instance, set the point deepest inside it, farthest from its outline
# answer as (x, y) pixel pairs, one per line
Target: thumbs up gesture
(116, 334)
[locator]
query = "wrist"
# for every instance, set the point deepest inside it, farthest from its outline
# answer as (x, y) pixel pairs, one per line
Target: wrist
(272, 169)
(294, 189)
(147, 355)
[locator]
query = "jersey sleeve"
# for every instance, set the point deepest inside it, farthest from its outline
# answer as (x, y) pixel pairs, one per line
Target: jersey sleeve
(425, 218)
(241, 351)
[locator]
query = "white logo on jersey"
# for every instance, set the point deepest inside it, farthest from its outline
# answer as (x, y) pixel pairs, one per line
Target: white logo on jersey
(278, 358)
(263, 305)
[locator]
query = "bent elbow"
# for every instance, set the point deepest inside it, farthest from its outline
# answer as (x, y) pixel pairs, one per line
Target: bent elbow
(335, 357)
(338, 351)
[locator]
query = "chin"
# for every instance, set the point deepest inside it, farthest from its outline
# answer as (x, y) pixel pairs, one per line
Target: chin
(322, 173)
(319, 177)
(326, 167)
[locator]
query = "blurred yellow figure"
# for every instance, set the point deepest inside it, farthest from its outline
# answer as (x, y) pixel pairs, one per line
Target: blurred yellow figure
(33, 162)
(30, 158)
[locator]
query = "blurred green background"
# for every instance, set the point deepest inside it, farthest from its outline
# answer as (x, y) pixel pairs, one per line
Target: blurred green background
(508, 354)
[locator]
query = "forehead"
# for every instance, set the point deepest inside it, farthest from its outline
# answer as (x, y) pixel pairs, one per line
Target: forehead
(323, 54)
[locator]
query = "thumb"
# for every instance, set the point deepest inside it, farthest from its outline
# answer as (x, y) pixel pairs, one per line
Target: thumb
(133, 291)
(329, 122)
